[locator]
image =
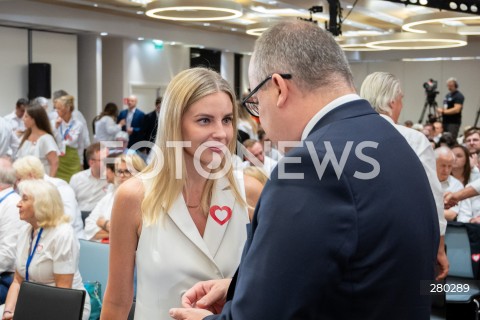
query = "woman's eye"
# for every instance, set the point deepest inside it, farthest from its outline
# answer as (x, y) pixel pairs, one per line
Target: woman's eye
(228, 120)
(204, 121)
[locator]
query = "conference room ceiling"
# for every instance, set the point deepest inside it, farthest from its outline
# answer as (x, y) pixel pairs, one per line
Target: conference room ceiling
(360, 18)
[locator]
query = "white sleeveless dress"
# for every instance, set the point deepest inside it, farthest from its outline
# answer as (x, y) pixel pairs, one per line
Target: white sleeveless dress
(172, 256)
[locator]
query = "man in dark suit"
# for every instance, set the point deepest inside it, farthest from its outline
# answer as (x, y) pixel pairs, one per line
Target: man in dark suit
(338, 232)
(134, 118)
(151, 122)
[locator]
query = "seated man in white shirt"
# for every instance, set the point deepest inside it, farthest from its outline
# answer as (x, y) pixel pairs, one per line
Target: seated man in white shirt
(9, 225)
(256, 156)
(445, 159)
(88, 185)
(30, 167)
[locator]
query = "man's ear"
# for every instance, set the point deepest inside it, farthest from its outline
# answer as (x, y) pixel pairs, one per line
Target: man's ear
(283, 89)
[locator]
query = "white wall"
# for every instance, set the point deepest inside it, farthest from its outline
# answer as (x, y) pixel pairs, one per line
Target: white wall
(14, 66)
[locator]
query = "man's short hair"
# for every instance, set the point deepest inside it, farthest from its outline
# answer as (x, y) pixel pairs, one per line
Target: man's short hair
(311, 55)
(158, 100)
(22, 102)
(92, 149)
(7, 173)
(249, 143)
(380, 89)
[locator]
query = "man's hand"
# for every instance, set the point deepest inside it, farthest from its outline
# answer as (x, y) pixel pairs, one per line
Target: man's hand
(130, 130)
(210, 295)
(442, 260)
(189, 313)
(449, 200)
(475, 220)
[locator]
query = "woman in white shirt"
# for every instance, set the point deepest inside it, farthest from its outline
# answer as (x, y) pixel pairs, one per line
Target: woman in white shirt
(47, 249)
(97, 225)
(38, 139)
(70, 136)
(106, 126)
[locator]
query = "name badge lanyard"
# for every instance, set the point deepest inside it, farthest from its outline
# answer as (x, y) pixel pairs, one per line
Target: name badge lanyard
(6, 196)
(64, 135)
(31, 253)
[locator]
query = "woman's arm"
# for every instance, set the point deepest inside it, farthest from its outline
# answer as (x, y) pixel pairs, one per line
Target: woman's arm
(52, 159)
(63, 280)
(12, 296)
(124, 234)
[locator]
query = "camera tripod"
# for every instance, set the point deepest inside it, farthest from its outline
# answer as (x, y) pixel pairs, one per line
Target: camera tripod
(432, 106)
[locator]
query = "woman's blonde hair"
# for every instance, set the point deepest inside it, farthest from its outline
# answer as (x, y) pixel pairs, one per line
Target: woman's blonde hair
(256, 173)
(29, 167)
(131, 159)
(47, 203)
(186, 88)
(68, 101)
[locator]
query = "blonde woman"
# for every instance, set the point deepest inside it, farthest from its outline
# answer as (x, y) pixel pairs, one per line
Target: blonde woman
(175, 222)
(70, 135)
(97, 225)
(38, 139)
(47, 249)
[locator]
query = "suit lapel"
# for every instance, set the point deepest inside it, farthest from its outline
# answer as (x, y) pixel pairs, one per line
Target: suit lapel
(181, 217)
(219, 216)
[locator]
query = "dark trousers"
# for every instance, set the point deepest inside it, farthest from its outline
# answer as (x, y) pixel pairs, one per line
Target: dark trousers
(6, 279)
(452, 128)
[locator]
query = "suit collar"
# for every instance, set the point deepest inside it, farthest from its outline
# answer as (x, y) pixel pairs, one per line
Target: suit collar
(347, 110)
(222, 198)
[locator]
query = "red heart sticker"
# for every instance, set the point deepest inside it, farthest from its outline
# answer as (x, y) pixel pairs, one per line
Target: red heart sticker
(221, 214)
(475, 257)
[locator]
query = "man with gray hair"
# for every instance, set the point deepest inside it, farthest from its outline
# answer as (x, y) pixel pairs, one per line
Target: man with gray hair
(9, 225)
(338, 232)
(384, 92)
(452, 108)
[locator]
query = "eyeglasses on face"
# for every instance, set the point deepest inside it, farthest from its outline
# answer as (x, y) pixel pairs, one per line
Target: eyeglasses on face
(251, 101)
(126, 173)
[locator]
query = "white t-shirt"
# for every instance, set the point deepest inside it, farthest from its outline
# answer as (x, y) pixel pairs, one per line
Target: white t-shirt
(88, 189)
(106, 129)
(10, 224)
(103, 209)
(15, 122)
(43, 146)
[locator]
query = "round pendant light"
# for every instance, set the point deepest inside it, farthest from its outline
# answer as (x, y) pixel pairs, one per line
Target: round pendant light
(193, 10)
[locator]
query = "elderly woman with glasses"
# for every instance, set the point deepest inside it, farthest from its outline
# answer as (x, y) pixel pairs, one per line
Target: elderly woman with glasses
(47, 250)
(97, 225)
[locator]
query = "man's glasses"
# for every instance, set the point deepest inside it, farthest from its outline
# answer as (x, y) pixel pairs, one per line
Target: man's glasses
(251, 101)
(126, 173)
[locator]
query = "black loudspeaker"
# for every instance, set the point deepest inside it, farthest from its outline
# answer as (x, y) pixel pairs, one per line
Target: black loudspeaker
(39, 80)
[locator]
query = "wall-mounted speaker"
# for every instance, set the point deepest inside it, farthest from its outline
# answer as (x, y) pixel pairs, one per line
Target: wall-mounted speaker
(39, 80)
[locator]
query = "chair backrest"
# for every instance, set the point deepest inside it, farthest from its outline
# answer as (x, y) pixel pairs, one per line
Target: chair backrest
(93, 265)
(42, 302)
(458, 251)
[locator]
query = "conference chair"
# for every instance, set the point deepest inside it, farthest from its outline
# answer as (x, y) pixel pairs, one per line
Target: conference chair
(42, 302)
(460, 303)
(93, 264)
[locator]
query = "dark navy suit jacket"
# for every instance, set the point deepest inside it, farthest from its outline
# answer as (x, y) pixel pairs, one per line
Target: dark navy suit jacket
(335, 245)
(137, 125)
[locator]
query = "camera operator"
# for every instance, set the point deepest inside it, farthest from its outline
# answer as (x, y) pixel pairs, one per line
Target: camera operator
(452, 108)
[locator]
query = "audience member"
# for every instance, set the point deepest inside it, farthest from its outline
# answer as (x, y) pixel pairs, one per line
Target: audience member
(43, 102)
(30, 167)
(326, 238)
(384, 92)
(7, 139)
(70, 136)
(472, 142)
(9, 225)
(446, 140)
(47, 251)
(445, 160)
(461, 169)
(134, 121)
(259, 158)
(38, 139)
(247, 128)
(452, 108)
(151, 122)
(408, 123)
(181, 213)
(105, 124)
(97, 225)
(76, 114)
(15, 118)
(88, 185)
(469, 210)
(437, 131)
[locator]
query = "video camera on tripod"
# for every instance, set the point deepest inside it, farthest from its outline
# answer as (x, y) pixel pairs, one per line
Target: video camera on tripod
(431, 90)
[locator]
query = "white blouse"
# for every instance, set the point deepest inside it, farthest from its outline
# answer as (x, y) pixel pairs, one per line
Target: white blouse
(106, 129)
(43, 146)
(103, 209)
(73, 134)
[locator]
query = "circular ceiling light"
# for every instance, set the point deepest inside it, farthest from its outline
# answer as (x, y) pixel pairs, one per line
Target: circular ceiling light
(412, 41)
(256, 29)
(441, 22)
(358, 44)
(193, 10)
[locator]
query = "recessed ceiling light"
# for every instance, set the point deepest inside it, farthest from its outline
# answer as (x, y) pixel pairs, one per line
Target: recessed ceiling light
(103, 34)
(463, 7)
(140, 38)
(95, 5)
(234, 29)
(206, 24)
(201, 47)
(140, 12)
(349, 6)
(272, 2)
